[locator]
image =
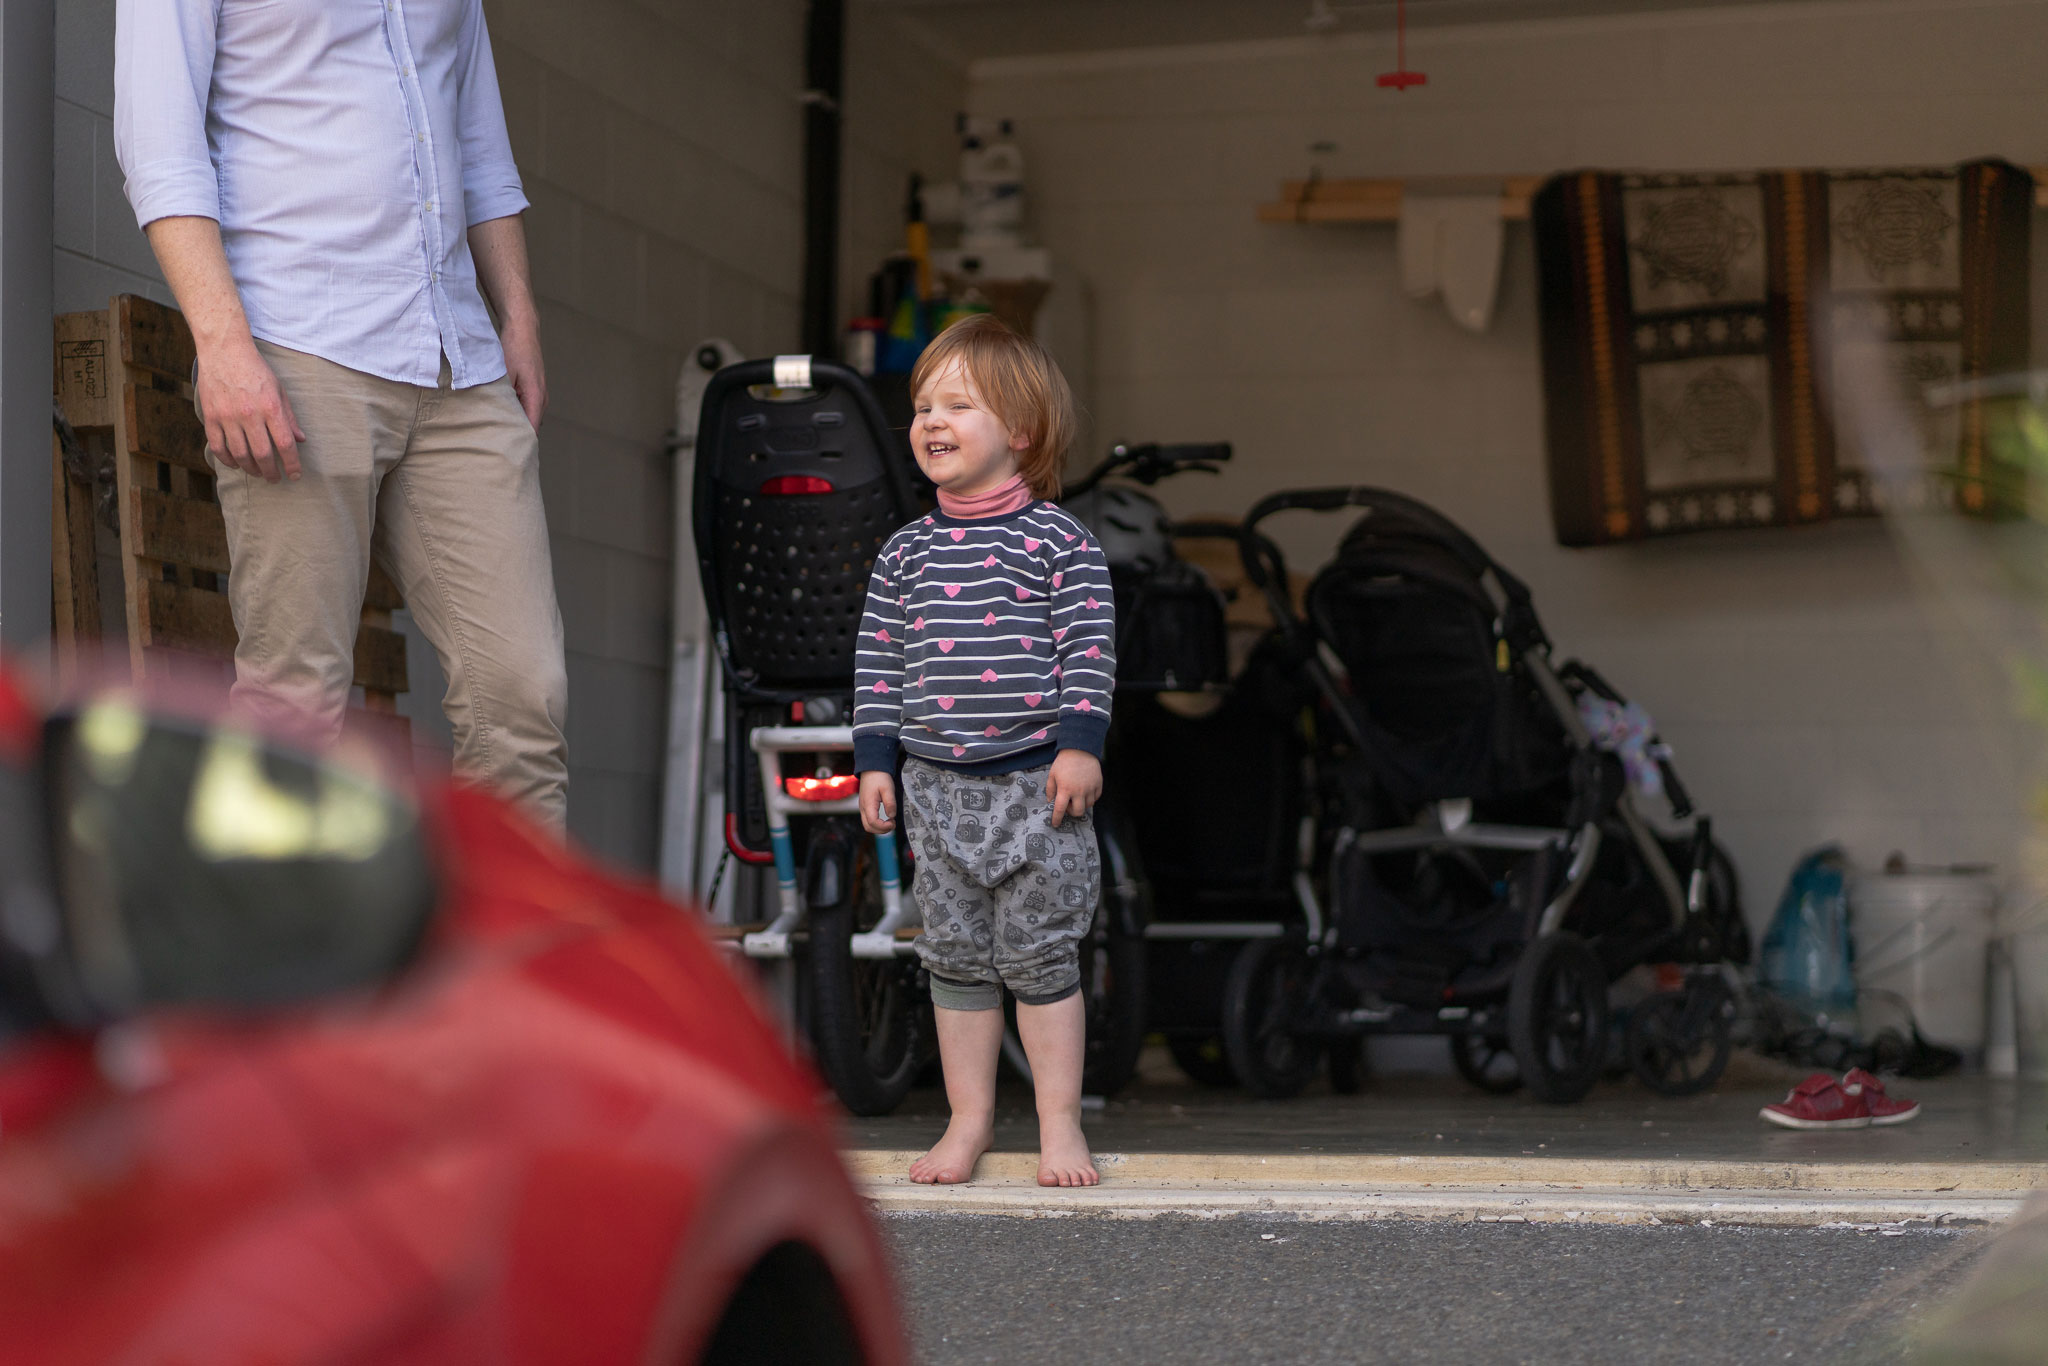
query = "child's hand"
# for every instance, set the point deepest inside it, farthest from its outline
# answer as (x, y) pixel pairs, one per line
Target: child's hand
(1074, 784)
(877, 802)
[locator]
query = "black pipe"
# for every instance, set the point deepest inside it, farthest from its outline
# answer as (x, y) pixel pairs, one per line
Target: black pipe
(824, 83)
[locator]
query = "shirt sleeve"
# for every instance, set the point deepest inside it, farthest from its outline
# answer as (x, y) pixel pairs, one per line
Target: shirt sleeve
(878, 668)
(491, 187)
(1084, 634)
(163, 71)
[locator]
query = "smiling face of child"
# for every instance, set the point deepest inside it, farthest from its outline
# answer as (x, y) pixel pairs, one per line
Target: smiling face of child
(960, 444)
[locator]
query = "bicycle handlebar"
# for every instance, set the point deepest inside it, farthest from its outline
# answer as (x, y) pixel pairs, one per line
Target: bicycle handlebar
(1310, 500)
(1151, 462)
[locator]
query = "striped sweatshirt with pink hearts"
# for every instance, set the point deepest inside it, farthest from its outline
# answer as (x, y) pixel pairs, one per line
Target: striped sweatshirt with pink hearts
(987, 644)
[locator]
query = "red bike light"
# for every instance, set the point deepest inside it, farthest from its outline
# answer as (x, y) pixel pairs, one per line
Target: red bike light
(784, 485)
(832, 789)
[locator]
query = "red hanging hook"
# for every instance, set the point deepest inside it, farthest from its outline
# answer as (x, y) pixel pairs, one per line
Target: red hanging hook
(1400, 78)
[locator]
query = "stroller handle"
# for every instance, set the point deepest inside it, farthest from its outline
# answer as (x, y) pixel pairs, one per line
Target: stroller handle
(1265, 566)
(1263, 563)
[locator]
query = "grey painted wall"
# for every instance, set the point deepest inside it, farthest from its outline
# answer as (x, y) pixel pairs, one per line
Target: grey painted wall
(25, 122)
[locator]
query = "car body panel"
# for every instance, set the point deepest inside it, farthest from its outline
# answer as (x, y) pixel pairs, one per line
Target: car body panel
(565, 1134)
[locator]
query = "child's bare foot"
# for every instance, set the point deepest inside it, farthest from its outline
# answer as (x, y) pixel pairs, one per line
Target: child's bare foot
(951, 1160)
(1063, 1154)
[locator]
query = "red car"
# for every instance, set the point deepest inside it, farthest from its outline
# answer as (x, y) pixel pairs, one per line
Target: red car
(297, 1068)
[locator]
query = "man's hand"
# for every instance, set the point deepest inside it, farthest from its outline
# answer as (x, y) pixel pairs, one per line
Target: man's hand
(498, 246)
(249, 421)
(1074, 784)
(877, 802)
(524, 368)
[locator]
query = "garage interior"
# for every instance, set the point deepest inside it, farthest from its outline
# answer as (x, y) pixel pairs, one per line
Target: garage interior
(1861, 681)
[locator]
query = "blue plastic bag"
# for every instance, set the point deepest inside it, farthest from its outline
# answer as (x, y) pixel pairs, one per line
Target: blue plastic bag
(1808, 956)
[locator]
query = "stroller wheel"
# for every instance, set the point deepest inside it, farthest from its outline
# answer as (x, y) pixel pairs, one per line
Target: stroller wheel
(1678, 1041)
(1265, 998)
(1557, 1017)
(1202, 1057)
(1487, 1062)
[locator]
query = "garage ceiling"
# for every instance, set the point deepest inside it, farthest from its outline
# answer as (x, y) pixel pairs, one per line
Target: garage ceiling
(974, 29)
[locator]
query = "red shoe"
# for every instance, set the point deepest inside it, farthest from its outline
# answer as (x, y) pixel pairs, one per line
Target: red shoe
(1883, 1109)
(1820, 1102)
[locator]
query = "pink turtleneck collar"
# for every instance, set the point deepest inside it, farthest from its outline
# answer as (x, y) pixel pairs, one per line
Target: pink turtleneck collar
(1002, 499)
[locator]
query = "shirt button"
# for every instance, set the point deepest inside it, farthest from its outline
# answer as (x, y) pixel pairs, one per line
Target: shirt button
(430, 206)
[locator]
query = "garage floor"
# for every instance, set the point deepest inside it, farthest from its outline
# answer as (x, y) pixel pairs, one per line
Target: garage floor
(1966, 1119)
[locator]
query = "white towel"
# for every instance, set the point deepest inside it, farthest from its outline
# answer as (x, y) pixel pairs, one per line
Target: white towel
(1452, 244)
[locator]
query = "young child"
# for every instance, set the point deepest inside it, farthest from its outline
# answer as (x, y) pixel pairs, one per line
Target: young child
(987, 656)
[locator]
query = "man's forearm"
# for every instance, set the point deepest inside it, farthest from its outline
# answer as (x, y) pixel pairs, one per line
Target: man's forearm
(195, 266)
(498, 245)
(249, 421)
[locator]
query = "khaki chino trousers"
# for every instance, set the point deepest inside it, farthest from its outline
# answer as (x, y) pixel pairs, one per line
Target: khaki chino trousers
(442, 487)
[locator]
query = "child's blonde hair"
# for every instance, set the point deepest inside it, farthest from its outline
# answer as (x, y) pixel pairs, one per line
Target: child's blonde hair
(1021, 385)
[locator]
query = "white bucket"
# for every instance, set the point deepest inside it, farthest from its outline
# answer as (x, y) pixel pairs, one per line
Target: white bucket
(1921, 946)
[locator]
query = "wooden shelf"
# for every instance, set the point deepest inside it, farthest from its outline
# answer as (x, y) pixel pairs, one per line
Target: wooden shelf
(1379, 201)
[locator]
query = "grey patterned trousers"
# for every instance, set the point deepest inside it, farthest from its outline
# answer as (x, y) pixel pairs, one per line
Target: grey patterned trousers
(1005, 897)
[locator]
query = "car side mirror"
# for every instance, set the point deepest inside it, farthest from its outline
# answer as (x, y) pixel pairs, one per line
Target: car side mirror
(200, 864)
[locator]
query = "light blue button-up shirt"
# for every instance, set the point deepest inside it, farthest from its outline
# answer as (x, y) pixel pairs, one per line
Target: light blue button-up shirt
(345, 147)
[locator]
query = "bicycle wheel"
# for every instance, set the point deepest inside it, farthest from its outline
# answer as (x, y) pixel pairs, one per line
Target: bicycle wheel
(871, 1029)
(1268, 988)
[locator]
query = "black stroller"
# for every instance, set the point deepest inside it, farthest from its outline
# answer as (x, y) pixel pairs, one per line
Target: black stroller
(1217, 872)
(1486, 871)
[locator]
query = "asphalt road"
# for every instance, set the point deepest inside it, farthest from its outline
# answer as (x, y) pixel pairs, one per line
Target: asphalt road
(985, 1288)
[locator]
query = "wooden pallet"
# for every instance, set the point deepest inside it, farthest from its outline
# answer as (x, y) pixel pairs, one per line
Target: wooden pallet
(124, 382)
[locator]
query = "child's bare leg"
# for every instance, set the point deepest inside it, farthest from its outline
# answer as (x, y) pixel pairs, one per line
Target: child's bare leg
(1055, 1041)
(969, 1041)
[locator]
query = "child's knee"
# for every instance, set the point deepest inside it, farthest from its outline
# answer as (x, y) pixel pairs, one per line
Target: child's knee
(1050, 997)
(950, 994)
(1050, 973)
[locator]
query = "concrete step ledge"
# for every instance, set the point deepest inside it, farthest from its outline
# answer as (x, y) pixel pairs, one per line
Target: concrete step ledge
(1868, 1213)
(2000, 1180)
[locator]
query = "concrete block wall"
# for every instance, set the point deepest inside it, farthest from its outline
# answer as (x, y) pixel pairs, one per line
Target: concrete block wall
(661, 144)
(99, 250)
(1833, 683)
(902, 93)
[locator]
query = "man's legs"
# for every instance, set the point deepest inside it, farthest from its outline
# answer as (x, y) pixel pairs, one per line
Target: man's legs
(300, 550)
(461, 527)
